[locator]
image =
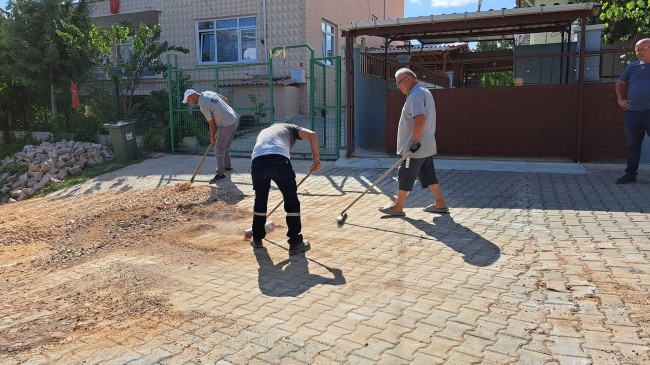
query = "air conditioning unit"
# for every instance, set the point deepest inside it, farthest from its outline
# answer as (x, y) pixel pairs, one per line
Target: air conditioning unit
(298, 76)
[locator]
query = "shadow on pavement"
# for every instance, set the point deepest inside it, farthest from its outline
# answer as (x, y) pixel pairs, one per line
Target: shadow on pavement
(594, 191)
(291, 277)
(475, 249)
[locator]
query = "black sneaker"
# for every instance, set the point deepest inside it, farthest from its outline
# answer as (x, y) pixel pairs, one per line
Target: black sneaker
(216, 178)
(228, 169)
(626, 179)
(297, 248)
(256, 243)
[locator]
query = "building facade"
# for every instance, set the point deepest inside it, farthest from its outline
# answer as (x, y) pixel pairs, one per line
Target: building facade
(228, 32)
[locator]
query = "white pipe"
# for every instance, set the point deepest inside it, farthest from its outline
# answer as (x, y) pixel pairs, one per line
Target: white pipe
(266, 47)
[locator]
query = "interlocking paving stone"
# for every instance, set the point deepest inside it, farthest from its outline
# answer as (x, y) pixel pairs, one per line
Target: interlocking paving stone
(527, 268)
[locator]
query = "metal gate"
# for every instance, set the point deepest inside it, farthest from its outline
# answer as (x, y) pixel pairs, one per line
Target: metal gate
(250, 91)
(325, 104)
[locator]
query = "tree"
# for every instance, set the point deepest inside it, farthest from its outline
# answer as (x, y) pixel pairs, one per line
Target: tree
(128, 55)
(36, 55)
(498, 78)
(625, 19)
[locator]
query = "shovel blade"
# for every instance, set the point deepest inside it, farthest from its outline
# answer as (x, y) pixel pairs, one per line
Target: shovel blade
(268, 227)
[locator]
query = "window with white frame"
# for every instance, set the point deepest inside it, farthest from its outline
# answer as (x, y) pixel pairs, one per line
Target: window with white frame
(329, 39)
(227, 40)
(124, 51)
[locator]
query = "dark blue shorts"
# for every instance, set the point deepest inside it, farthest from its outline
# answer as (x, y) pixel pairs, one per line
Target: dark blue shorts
(418, 168)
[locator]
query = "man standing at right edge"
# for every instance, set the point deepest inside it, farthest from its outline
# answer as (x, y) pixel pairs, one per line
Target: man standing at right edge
(633, 93)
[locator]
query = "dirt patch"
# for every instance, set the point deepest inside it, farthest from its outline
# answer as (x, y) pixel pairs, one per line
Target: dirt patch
(76, 265)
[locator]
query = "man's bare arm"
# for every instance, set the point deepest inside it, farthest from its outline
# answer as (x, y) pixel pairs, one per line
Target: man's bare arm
(306, 134)
(621, 94)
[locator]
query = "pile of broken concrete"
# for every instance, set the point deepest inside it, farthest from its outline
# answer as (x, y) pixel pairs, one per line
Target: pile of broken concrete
(48, 163)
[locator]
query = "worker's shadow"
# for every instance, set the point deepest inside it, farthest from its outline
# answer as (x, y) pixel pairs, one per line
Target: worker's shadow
(290, 277)
(475, 249)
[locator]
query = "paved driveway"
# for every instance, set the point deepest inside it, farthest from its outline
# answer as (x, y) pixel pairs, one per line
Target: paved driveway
(528, 268)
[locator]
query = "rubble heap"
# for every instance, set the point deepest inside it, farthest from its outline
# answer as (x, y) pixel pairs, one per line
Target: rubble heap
(49, 163)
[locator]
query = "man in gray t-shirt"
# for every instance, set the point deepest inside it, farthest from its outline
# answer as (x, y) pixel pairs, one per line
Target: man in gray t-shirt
(223, 122)
(416, 135)
(271, 161)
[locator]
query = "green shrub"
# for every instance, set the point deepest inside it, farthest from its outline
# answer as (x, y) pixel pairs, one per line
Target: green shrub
(14, 169)
(153, 140)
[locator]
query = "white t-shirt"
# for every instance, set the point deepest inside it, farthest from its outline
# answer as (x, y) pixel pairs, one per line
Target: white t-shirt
(278, 139)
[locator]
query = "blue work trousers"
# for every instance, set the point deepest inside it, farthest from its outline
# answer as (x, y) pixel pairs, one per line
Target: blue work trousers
(637, 125)
(276, 168)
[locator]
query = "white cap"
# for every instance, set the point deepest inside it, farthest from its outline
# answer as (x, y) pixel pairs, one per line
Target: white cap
(188, 92)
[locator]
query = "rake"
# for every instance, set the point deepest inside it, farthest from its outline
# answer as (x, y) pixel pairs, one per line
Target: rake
(340, 220)
(198, 167)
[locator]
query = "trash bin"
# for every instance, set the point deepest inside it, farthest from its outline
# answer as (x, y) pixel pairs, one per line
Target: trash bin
(123, 139)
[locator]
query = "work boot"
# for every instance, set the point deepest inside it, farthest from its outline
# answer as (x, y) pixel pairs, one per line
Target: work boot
(626, 179)
(256, 243)
(297, 248)
(216, 178)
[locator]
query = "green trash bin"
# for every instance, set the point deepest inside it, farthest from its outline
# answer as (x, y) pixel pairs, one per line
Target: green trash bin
(123, 139)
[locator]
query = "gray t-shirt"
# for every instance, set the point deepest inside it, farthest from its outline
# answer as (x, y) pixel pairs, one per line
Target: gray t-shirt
(278, 139)
(637, 76)
(214, 108)
(419, 101)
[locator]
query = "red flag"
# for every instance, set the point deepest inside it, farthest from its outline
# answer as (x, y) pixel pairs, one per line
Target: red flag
(74, 95)
(115, 6)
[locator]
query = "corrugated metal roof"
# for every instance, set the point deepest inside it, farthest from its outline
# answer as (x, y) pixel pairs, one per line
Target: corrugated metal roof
(474, 26)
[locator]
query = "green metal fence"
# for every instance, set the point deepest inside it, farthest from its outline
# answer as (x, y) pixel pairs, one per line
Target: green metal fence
(325, 104)
(251, 93)
(248, 91)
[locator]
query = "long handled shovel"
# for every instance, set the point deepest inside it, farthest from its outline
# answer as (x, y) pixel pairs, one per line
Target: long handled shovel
(198, 167)
(340, 220)
(270, 226)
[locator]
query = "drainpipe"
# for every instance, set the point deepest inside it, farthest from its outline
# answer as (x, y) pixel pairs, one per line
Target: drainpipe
(266, 47)
(562, 58)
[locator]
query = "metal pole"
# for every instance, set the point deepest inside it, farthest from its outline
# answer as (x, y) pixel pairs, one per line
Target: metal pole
(338, 105)
(581, 87)
(171, 103)
(349, 72)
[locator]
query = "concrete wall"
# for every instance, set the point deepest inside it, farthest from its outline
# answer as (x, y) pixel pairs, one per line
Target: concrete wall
(284, 100)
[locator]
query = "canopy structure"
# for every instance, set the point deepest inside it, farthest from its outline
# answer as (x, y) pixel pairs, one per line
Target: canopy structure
(476, 26)
(464, 27)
